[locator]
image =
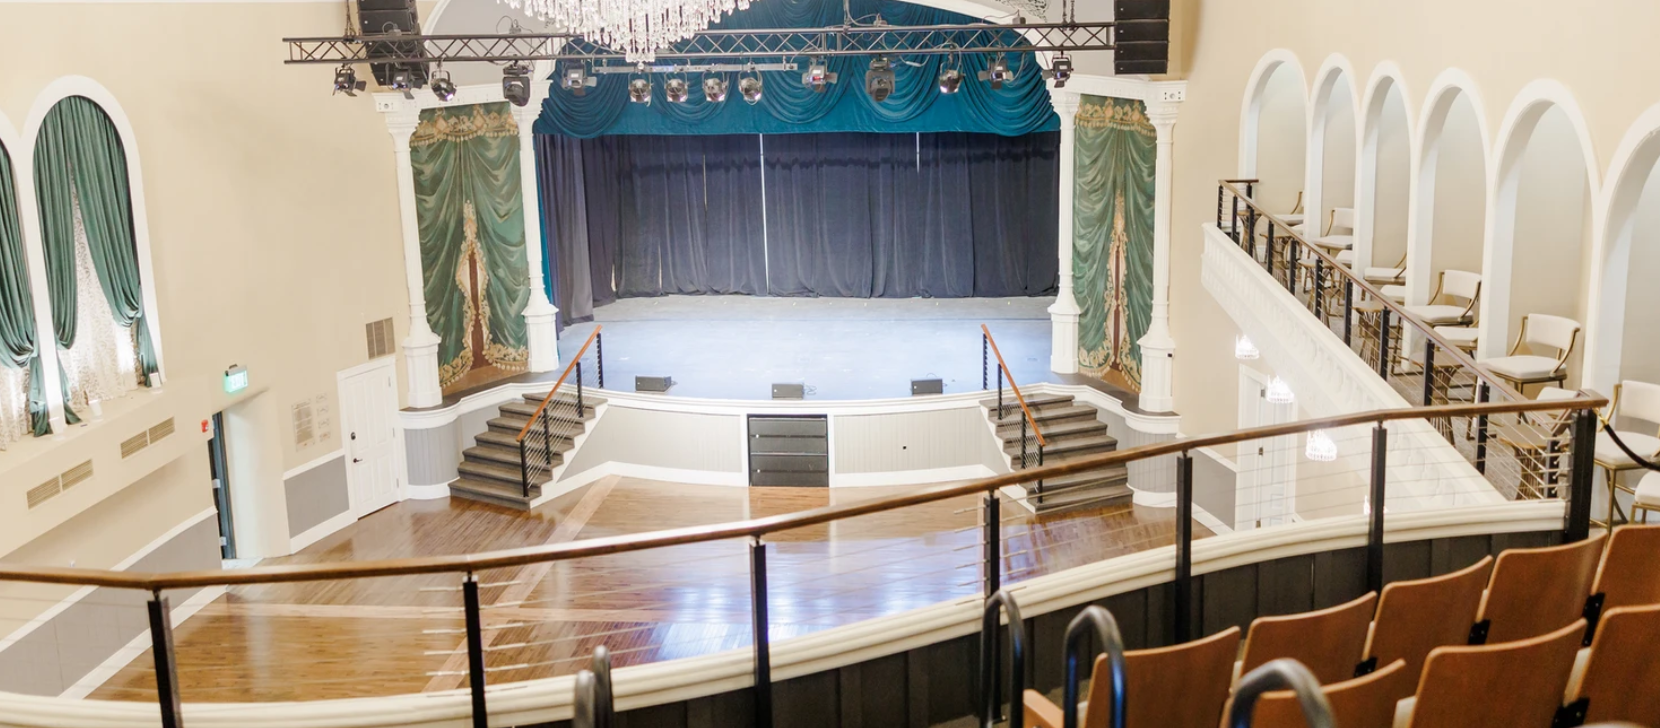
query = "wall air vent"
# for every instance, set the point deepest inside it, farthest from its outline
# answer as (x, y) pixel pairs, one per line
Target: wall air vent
(379, 334)
(161, 429)
(76, 475)
(132, 445)
(43, 492)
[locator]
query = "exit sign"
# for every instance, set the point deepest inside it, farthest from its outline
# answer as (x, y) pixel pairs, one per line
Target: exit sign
(236, 379)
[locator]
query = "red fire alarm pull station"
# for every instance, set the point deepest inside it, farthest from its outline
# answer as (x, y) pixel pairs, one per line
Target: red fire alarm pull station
(204, 427)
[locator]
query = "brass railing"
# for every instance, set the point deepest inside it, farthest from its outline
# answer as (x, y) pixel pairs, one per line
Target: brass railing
(557, 420)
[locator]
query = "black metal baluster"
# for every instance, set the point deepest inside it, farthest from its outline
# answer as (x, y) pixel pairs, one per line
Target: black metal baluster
(1383, 343)
(1481, 430)
(475, 650)
(1429, 371)
(994, 543)
(1000, 414)
(1219, 188)
(763, 646)
(1578, 527)
(580, 411)
(524, 468)
(985, 363)
(599, 358)
(547, 441)
(1183, 600)
(1292, 264)
(1235, 225)
(1348, 311)
(167, 671)
(1374, 535)
(1319, 310)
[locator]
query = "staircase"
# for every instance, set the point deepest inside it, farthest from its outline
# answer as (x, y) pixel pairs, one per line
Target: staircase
(1072, 430)
(490, 469)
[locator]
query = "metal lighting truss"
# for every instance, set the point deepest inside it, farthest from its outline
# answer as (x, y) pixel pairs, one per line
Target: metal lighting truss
(748, 45)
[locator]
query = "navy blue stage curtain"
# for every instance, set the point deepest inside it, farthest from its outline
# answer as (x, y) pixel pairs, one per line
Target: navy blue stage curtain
(947, 215)
(788, 106)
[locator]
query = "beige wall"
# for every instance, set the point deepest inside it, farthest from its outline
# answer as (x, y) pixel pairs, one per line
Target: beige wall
(1640, 353)
(1394, 169)
(1281, 140)
(1552, 227)
(1337, 188)
(1460, 194)
(1503, 46)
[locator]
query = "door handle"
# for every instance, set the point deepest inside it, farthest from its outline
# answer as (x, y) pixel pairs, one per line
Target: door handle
(357, 460)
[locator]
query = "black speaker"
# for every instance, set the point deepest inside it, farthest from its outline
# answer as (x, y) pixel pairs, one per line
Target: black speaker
(927, 386)
(1141, 37)
(653, 384)
(786, 390)
(383, 17)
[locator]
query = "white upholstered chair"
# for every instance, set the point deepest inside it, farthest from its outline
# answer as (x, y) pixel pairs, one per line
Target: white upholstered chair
(1395, 275)
(1454, 301)
(1539, 331)
(1339, 233)
(1647, 497)
(1463, 337)
(1636, 401)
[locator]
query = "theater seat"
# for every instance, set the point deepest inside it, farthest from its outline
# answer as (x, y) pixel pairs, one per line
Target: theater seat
(1415, 617)
(1512, 684)
(1182, 686)
(1329, 642)
(1367, 701)
(1534, 591)
(1621, 679)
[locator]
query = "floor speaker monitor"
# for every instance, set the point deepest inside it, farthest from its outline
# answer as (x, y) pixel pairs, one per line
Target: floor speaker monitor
(785, 390)
(927, 386)
(653, 384)
(1141, 37)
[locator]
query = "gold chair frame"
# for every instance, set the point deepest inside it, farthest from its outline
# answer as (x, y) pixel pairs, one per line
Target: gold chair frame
(1611, 474)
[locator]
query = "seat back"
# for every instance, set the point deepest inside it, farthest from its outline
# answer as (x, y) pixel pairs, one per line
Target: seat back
(1534, 591)
(1462, 285)
(1342, 221)
(1511, 684)
(1640, 400)
(1328, 641)
(1367, 701)
(1417, 616)
(1621, 675)
(1182, 686)
(1555, 332)
(1629, 574)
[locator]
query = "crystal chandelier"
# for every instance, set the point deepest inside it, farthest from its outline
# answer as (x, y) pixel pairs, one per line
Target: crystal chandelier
(635, 28)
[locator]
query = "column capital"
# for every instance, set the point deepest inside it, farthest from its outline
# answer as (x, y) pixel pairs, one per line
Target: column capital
(1066, 105)
(1163, 118)
(401, 125)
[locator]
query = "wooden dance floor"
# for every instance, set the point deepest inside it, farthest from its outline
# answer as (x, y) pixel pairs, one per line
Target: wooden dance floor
(396, 635)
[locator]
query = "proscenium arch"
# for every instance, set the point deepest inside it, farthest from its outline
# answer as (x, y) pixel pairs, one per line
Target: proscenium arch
(56, 91)
(1385, 77)
(1498, 246)
(1335, 73)
(1614, 214)
(1446, 90)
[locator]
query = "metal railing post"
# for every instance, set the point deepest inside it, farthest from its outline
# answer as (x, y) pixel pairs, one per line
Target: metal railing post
(1429, 371)
(763, 646)
(1183, 597)
(475, 651)
(599, 358)
(1348, 311)
(1374, 534)
(1314, 296)
(1291, 264)
(994, 544)
(167, 671)
(1269, 259)
(1219, 188)
(580, 411)
(985, 363)
(999, 394)
(1578, 527)
(1251, 226)
(1481, 429)
(1383, 343)
(547, 441)
(1235, 226)
(524, 469)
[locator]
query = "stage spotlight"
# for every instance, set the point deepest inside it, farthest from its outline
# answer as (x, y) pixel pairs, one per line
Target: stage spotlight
(1060, 70)
(750, 87)
(442, 86)
(675, 90)
(403, 81)
(515, 84)
(879, 79)
(999, 73)
(576, 80)
(818, 76)
(639, 91)
(714, 89)
(950, 79)
(345, 81)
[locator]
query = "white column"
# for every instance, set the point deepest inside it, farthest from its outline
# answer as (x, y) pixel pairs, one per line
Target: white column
(1063, 315)
(1158, 349)
(420, 348)
(540, 315)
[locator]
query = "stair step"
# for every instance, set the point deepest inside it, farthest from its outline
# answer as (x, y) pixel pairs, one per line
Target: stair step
(1056, 430)
(514, 425)
(1012, 415)
(1034, 402)
(1106, 495)
(502, 439)
(490, 491)
(507, 475)
(1114, 474)
(566, 395)
(524, 409)
(1072, 446)
(506, 457)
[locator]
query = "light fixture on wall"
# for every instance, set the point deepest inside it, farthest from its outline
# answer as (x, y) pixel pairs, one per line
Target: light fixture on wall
(1320, 447)
(714, 89)
(442, 86)
(818, 76)
(999, 73)
(515, 84)
(879, 79)
(750, 85)
(950, 80)
(639, 91)
(345, 81)
(675, 90)
(1244, 350)
(1279, 392)
(1060, 70)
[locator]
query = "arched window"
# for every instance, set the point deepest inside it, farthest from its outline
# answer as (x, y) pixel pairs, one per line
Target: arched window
(23, 406)
(92, 269)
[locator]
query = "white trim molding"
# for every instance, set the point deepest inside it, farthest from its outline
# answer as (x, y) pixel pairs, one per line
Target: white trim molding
(1614, 213)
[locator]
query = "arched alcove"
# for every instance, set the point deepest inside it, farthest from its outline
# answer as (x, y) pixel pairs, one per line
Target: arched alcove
(1447, 228)
(1640, 335)
(1331, 163)
(1273, 132)
(1385, 180)
(1538, 261)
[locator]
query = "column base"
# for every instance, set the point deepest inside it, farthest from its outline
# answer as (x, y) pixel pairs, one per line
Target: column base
(1063, 337)
(421, 360)
(542, 330)
(1158, 363)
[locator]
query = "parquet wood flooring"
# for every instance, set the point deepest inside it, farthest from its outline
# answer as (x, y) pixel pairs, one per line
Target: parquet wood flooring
(404, 634)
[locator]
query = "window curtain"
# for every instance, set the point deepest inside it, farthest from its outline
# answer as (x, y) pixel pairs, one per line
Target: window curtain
(23, 408)
(102, 364)
(472, 237)
(1113, 236)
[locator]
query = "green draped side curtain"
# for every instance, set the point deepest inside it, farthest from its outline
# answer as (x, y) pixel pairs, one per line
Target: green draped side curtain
(1112, 223)
(18, 347)
(79, 154)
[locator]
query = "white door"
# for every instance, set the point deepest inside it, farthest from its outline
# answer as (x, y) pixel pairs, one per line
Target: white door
(1264, 492)
(368, 413)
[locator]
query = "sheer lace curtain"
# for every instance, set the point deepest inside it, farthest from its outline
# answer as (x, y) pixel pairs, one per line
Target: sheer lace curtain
(103, 363)
(14, 405)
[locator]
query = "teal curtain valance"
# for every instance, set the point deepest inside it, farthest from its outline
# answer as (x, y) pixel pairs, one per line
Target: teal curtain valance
(79, 157)
(18, 348)
(788, 106)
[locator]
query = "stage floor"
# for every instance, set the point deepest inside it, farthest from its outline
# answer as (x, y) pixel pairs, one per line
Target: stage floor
(736, 347)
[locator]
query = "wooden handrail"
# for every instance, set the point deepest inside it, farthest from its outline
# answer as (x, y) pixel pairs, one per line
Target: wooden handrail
(758, 527)
(1010, 376)
(555, 391)
(1454, 352)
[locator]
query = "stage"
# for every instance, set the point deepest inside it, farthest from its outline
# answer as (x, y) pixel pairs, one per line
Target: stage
(736, 347)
